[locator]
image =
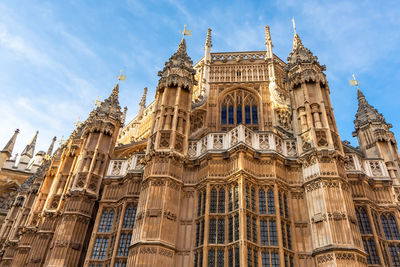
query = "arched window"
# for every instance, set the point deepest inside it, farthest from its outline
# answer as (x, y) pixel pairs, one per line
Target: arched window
(230, 199)
(393, 228)
(103, 220)
(394, 255)
(285, 206)
(213, 201)
(238, 107)
(221, 200)
(129, 217)
(109, 222)
(261, 202)
(271, 202)
(363, 221)
(253, 199)
(386, 228)
(199, 205)
(247, 197)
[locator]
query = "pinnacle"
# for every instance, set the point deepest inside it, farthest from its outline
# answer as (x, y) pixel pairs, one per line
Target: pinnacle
(208, 40)
(297, 43)
(182, 47)
(10, 144)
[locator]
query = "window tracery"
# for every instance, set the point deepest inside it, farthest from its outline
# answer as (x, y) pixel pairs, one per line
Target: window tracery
(239, 107)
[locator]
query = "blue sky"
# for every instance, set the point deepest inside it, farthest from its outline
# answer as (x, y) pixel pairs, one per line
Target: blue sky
(56, 57)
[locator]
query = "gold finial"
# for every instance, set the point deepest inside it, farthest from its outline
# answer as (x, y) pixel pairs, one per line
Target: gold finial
(121, 77)
(185, 32)
(46, 157)
(97, 102)
(294, 25)
(78, 122)
(354, 82)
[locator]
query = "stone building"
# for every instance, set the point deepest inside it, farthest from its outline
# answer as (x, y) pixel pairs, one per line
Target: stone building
(237, 162)
(16, 171)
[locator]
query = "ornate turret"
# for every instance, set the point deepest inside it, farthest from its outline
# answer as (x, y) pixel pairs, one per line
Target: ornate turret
(318, 140)
(178, 70)
(366, 113)
(374, 135)
(29, 150)
(174, 94)
(166, 150)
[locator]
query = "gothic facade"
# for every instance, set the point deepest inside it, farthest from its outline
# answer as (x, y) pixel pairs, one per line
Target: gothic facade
(237, 162)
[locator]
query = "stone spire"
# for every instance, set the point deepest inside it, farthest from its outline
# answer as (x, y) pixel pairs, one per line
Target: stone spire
(109, 107)
(208, 40)
(124, 115)
(142, 104)
(30, 148)
(8, 149)
(366, 113)
(178, 69)
(268, 42)
(50, 150)
(301, 54)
